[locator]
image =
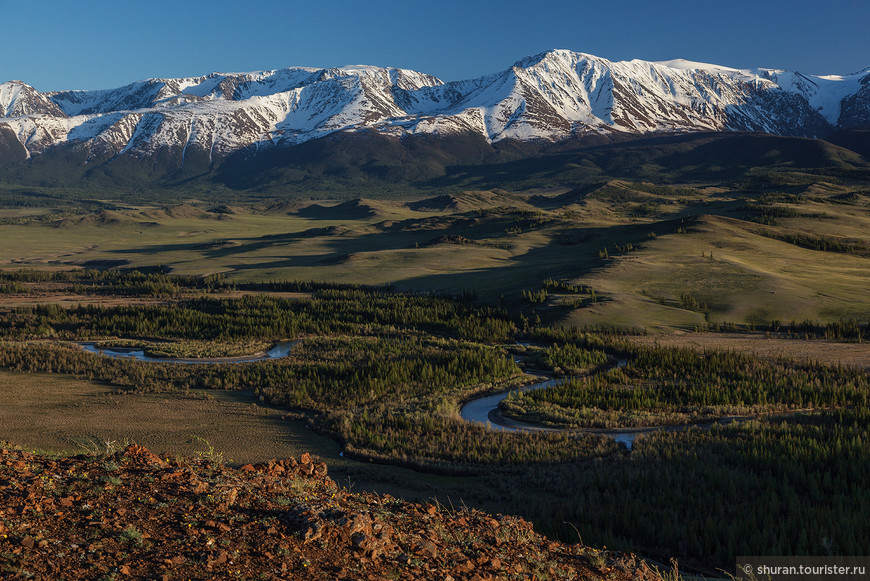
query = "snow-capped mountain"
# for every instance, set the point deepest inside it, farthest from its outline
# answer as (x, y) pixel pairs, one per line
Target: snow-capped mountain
(552, 96)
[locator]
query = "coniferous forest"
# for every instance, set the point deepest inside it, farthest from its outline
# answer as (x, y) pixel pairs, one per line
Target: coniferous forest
(385, 373)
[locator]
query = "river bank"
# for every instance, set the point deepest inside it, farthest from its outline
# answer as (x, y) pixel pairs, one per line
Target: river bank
(277, 351)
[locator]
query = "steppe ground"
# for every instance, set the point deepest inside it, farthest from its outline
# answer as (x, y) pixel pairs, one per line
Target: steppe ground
(707, 246)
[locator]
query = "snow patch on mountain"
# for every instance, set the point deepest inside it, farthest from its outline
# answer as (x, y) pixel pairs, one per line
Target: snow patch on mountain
(551, 96)
(824, 93)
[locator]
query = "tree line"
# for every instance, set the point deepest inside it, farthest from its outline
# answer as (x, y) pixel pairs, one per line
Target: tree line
(661, 386)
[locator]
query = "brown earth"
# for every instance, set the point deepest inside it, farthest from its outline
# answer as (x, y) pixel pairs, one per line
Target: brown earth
(134, 514)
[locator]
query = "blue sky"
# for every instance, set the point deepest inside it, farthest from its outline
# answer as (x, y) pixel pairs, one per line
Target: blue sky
(91, 44)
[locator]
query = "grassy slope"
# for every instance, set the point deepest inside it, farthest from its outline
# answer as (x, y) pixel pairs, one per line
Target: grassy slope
(749, 277)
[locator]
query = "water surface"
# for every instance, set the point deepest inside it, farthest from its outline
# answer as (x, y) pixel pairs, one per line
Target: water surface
(279, 350)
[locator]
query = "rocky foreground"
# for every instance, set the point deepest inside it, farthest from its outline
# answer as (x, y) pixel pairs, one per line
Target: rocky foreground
(136, 514)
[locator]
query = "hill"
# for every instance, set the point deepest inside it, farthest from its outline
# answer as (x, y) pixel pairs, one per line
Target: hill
(358, 209)
(346, 166)
(140, 515)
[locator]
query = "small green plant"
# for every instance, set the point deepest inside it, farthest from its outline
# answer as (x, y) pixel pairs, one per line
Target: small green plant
(131, 535)
(97, 446)
(598, 559)
(209, 454)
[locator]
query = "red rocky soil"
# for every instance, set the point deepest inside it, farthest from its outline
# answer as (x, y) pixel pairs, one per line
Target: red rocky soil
(135, 514)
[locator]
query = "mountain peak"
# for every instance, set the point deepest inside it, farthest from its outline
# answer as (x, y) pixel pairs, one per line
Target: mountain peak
(18, 99)
(557, 55)
(554, 95)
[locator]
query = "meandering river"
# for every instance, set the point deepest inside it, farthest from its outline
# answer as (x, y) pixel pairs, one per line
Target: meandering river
(484, 410)
(279, 350)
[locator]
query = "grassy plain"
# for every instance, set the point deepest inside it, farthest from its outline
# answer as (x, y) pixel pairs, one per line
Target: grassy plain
(72, 415)
(767, 346)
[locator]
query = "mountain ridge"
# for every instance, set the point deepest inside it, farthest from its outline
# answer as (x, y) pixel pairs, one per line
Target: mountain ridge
(192, 125)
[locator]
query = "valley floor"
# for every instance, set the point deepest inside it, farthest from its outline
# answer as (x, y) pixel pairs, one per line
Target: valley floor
(767, 346)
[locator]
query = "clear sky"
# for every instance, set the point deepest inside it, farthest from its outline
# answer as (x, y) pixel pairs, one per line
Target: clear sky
(93, 44)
